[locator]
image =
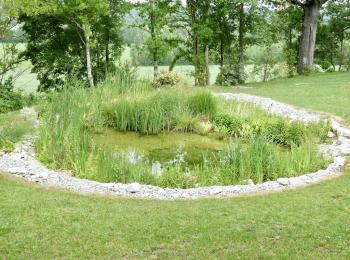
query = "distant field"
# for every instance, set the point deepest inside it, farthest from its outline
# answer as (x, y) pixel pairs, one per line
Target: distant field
(28, 81)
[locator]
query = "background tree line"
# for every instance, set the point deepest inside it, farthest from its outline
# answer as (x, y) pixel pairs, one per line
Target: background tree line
(85, 38)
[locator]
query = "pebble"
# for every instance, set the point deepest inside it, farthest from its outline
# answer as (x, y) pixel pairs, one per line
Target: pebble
(134, 188)
(330, 134)
(283, 181)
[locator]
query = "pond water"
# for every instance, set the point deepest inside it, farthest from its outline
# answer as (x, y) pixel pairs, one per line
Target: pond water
(163, 148)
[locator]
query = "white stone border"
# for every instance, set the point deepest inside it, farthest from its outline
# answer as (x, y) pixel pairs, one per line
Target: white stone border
(22, 163)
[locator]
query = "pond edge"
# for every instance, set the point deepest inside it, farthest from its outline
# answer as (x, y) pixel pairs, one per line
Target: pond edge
(22, 163)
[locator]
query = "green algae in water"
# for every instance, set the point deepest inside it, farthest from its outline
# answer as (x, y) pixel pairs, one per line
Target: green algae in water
(164, 147)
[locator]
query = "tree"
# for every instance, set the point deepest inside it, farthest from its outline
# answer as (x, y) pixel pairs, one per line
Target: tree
(200, 36)
(287, 20)
(223, 23)
(9, 53)
(311, 11)
(155, 18)
(82, 19)
(338, 14)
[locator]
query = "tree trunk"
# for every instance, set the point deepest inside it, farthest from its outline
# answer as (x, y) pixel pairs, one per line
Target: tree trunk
(341, 54)
(308, 37)
(88, 56)
(107, 52)
(155, 65)
(207, 72)
(154, 39)
(173, 62)
(241, 37)
(222, 51)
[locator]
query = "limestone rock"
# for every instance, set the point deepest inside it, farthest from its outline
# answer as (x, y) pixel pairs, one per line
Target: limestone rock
(330, 134)
(134, 187)
(283, 181)
(215, 190)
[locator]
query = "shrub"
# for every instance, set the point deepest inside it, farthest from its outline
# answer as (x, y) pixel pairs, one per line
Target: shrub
(203, 103)
(166, 79)
(290, 56)
(10, 100)
(325, 64)
(307, 71)
(231, 75)
(284, 133)
(231, 123)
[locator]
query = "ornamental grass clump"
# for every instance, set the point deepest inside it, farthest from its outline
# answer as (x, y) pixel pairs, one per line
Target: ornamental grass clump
(203, 103)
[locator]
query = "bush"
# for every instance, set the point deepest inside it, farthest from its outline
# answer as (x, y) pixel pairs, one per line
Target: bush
(284, 133)
(231, 75)
(290, 56)
(166, 79)
(231, 123)
(203, 103)
(11, 100)
(325, 64)
(307, 71)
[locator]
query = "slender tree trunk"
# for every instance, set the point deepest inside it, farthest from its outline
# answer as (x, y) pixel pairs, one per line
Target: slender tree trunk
(173, 62)
(341, 54)
(86, 29)
(155, 65)
(308, 37)
(207, 71)
(192, 10)
(241, 31)
(154, 39)
(222, 51)
(107, 51)
(241, 37)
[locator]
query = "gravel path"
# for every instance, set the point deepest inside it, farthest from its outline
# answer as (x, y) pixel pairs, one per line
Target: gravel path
(22, 163)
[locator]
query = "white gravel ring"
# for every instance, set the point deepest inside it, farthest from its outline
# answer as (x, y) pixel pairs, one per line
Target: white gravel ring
(22, 163)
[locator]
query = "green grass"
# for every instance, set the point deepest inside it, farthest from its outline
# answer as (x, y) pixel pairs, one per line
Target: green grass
(13, 127)
(306, 223)
(328, 92)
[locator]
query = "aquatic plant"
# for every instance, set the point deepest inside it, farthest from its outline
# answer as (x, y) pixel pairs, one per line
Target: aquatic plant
(261, 147)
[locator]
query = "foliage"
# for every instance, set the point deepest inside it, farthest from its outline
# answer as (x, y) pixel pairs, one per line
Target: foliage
(267, 147)
(148, 115)
(156, 19)
(325, 64)
(13, 127)
(10, 100)
(60, 44)
(290, 55)
(203, 104)
(278, 131)
(231, 75)
(9, 53)
(201, 222)
(166, 79)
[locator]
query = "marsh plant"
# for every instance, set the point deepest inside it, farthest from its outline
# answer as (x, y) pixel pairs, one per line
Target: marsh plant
(13, 127)
(257, 146)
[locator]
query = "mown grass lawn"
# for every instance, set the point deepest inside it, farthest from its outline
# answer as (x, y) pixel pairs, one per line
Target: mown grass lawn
(328, 92)
(309, 223)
